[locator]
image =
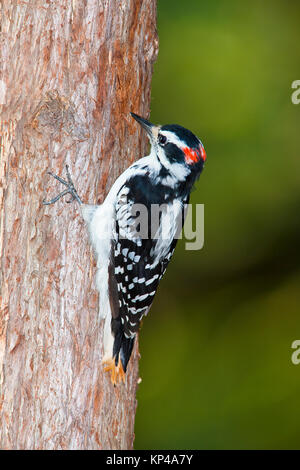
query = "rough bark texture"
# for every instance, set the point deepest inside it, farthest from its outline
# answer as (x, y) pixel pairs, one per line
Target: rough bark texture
(71, 71)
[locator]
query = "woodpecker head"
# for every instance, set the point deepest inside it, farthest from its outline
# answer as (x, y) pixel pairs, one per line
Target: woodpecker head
(177, 149)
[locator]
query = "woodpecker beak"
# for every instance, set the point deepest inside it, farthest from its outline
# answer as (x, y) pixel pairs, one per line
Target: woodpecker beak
(144, 123)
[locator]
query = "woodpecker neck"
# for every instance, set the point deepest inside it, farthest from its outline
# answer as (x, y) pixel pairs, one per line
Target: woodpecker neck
(176, 179)
(174, 172)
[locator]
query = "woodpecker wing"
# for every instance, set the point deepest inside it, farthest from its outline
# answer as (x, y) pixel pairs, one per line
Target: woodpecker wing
(139, 260)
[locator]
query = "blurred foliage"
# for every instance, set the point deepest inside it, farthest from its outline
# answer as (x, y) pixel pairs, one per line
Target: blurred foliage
(216, 351)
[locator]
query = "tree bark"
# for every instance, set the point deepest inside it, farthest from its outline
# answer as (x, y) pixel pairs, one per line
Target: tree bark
(71, 71)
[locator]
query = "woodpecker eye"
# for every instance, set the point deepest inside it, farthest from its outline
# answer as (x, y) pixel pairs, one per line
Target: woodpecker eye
(162, 139)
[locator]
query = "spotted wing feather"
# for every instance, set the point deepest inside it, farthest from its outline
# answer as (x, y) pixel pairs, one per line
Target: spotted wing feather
(137, 271)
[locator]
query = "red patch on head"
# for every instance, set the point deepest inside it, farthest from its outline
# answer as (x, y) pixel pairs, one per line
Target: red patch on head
(203, 153)
(194, 155)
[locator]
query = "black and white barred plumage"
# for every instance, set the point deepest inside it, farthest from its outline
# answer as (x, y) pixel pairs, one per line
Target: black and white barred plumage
(139, 264)
(133, 251)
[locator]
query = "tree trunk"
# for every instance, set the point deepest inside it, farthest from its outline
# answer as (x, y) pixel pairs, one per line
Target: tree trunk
(71, 71)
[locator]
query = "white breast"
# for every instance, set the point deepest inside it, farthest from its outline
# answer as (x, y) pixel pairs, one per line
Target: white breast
(170, 227)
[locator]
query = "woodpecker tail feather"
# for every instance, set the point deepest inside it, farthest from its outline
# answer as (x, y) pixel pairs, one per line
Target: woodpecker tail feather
(123, 346)
(126, 350)
(116, 361)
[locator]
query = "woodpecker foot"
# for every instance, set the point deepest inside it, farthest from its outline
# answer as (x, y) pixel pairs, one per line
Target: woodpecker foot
(70, 189)
(117, 372)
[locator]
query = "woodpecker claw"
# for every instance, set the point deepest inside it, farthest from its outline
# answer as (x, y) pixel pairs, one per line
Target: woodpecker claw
(117, 371)
(70, 189)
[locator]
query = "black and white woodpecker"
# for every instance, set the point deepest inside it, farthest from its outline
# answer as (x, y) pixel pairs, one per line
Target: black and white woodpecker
(131, 260)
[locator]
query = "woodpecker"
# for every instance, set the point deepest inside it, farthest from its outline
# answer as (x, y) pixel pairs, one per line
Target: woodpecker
(131, 260)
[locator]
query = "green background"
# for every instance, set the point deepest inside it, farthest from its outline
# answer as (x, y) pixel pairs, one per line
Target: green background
(216, 348)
